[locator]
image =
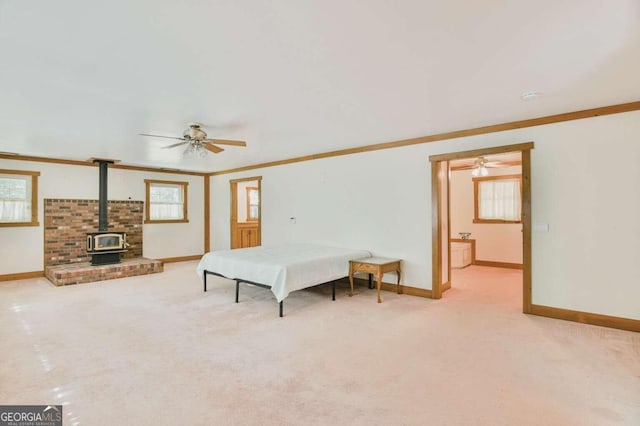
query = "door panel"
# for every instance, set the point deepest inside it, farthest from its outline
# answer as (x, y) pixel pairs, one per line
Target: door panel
(249, 235)
(245, 227)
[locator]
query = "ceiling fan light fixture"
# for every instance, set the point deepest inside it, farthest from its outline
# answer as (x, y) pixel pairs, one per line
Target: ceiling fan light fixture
(480, 171)
(479, 168)
(194, 150)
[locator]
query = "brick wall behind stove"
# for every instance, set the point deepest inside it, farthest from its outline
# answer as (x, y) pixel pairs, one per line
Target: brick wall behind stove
(66, 223)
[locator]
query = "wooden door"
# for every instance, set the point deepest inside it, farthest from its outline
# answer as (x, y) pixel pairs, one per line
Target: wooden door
(245, 226)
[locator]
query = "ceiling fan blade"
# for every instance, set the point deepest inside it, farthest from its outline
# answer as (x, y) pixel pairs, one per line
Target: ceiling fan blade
(226, 142)
(503, 163)
(174, 145)
(212, 148)
(471, 166)
(159, 136)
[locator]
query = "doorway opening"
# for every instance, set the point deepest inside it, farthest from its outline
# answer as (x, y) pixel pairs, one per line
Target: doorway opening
(246, 217)
(491, 224)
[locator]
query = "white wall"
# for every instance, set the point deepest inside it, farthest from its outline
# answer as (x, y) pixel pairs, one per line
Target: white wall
(496, 242)
(21, 248)
(333, 204)
(380, 201)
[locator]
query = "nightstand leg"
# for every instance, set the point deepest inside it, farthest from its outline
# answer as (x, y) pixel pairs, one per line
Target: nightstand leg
(351, 280)
(398, 273)
(379, 286)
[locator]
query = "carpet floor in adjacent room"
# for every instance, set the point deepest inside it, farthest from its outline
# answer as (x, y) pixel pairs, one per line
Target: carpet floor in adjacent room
(158, 350)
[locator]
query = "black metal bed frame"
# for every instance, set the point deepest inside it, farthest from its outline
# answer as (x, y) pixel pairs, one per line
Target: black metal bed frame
(240, 280)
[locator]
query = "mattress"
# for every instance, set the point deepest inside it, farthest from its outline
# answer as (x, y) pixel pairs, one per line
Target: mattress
(283, 268)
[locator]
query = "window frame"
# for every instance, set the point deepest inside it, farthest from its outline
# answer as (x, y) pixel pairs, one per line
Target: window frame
(249, 189)
(476, 193)
(185, 209)
(34, 197)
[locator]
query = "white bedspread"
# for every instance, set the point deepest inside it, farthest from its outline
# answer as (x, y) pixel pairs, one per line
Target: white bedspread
(284, 268)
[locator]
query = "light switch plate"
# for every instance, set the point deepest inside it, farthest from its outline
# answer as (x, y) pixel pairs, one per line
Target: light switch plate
(541, 227)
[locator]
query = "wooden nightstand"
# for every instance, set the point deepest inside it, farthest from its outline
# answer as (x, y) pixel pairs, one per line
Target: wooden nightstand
(375, 265)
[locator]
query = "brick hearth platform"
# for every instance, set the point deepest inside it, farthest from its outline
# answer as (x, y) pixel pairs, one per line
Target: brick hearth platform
(78, 273)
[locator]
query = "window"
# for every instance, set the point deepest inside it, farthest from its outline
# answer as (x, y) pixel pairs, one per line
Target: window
(18, 198)
(166, 201)
(253, 203)
(497, 199)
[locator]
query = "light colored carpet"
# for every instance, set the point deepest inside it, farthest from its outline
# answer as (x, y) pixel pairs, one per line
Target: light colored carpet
(157, 350)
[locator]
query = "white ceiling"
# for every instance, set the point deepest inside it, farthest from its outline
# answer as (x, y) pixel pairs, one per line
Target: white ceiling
(81, 79)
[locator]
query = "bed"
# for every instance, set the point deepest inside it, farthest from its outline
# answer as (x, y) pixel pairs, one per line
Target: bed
(282, 269)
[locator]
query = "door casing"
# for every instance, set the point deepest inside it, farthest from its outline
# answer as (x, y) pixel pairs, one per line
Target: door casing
(436, 218)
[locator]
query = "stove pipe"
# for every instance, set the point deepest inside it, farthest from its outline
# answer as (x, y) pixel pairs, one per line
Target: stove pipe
(103, 222)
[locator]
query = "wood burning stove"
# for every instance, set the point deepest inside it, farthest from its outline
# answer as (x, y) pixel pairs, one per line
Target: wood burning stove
(105, 246)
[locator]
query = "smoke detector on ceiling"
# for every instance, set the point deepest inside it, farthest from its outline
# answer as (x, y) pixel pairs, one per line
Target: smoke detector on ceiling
(530, 96)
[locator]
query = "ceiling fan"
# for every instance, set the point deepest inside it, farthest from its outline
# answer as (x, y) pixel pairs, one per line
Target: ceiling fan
(480, 166)
(197, 143)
